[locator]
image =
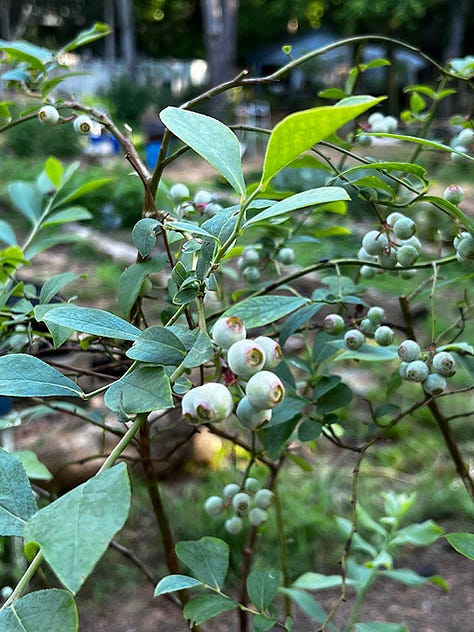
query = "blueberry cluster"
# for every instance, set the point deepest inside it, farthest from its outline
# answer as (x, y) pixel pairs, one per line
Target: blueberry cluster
(249, 501)
(382, 124)
(428, 368)
(49, 115)
(202, 202)
(251, 260)
(250, 361)
(394, 246)
(370, 325)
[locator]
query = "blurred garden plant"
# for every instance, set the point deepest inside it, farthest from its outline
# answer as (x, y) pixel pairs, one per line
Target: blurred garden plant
(257, 363)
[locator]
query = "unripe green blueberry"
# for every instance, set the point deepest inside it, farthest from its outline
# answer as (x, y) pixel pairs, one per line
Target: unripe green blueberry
(402, 369)
(212, 208)
(230, 490)
(459, 237)
(466, 136)
(201, 197)
(375, 117)
(180, 192)
(251, 274)
(245, 357)
(444, 364)
(388, 258)
(214, 505)
(48, 115)
(209, 403)
(404, 228)
(367, 326)
(363, 255)
(241, 503)
(272, 349)
(227, 331)
(417, 371)
(354, 339)
(409, 350)
(391, 124)
(405, 273)
(407, 256)
(252, 485)
(367, 272)
(393, 217)
(453, 193)
(465, 248)
(264, 498)
(83, 124)
(234, 525)
(286, 256)
(251, 256)
(364, 140)
(251, 417)
(434, 384)
(379, 126)
(257, 516)
(412, 241)
(265, 390)
(383, 335)
(376, 314)
(333, 324)
(374, 242)
(458, 158)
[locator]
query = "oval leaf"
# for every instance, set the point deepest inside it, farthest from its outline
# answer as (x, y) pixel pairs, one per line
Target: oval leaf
(463, 543)
(208, 559)
(17, 501)
(262, 586)
(141, 391)
(50, 610)
(262, 310)
(157, 345)
(205, 607)
(175, 582)
(22, 375)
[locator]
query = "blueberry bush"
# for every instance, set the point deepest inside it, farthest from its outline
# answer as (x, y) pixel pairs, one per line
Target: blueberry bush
(238, 318)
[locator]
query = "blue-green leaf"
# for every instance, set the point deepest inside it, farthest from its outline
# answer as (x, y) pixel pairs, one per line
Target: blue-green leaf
(307, 603)
(55, 284)
(175, 582)
(211, 139)
(262, 586)
(140, 391)
(50, 610)
(202, 608)
(208, 559)
(17, 501)
(201, 351)
(7, 234)
(71, 214)
(263, 310)
(22, 375)
(27, 199)
(157, 345)
(381, 626)
(144, 235)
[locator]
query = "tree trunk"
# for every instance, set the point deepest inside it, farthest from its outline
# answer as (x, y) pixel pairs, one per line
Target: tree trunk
(219, 19)
(127, 34)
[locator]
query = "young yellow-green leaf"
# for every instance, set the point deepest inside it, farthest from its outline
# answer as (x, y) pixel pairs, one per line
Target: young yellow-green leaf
(97, 31)
(75, 530)
(33, 467)
(298, 132)
(54, 170)
(211, 139)
(50, 610)
(17, 501)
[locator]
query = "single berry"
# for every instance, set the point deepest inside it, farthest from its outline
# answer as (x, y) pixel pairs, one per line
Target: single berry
(241, 504)
(404, 228)
(333, 324)
(402, 369)
(376, 314)
(367, 326)
(227, 331)
(209, 403)
(459, 237)
(265, 390)
(251, 256)
(48, 115)
(465, 248)
(354, 339)
(252, 485)
(180, 192)
(367, 272)
(364, 140)
(454, 194)
(286, 256)
(234, 525)
(444, 364)
(257, 516)
(417, 371)
(405, 273)
(212, 208)
(412, 241)
(388, 258)
(83, 124)
(214, 505)
(245, 357)
(409, 350)
(374, 242)
(434, 384)
(202, 198)
(465, 136)
(375, 117)
(363, 255)
(383, 335)
(272, 349)
(393, 217)
(264, 498)
(251, 275)
(379, 126)
(391, 124)
(230, 490)
(407, 256)
(251, 417)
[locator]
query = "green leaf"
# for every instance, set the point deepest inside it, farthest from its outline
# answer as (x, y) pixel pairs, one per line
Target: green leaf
(27, 199)
(420, 534)
(381, 626)
(158, 345)
(59, 334)
(366, 520)
(45, 240)
(87, 187)
(221, 224)
(140, 391)
(262, 623)
(92, 34)
(317, 581)
(368, 352)
(17, 501)
(452, 209)
(462, 542)
(201, 351)
(263, 310)
(188, 227)
(75, 530)
(262, 586)
(208, 559)
(144, 235)
(337, 397)
(307, 603)
(298, 132)
(301, 200)
(50, 610)
(175, 582)
(71, 214)
(408, 577)
(211, 139)
(33, 467)
(204, 607)
(34, 56)
(55, 284)
(22, 375)
(131, 280)
(54, 170)
(7, 234)
(90, 320)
